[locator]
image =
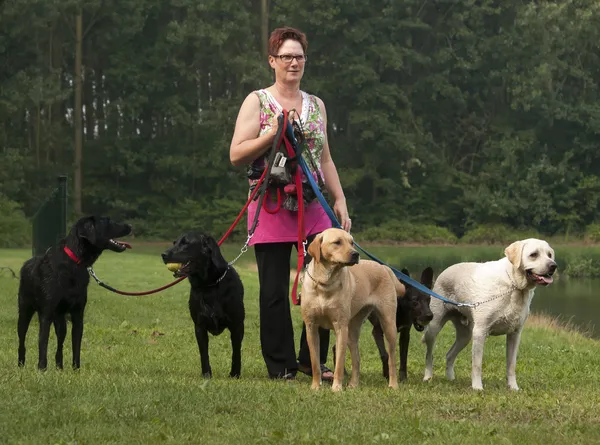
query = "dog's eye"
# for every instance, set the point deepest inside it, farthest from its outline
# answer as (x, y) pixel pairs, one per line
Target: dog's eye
(533, 255)
(338, 242)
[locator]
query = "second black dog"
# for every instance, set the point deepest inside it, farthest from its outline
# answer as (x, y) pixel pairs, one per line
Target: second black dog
(413, 310)
(55, 284)
(216, 296)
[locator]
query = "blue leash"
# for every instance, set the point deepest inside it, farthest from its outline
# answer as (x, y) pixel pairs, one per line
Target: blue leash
(402, 277)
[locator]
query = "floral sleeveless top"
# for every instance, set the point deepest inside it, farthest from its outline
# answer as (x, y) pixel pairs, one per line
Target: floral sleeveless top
(282, 226)
(311, 120)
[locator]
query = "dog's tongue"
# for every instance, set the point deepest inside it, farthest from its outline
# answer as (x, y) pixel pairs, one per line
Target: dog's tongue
(542, 279)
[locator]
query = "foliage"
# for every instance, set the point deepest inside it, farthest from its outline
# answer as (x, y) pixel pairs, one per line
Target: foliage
(404, 232)
(15, 228)
(458, 114)
(583, 267)
(592, 233)
(496, 234)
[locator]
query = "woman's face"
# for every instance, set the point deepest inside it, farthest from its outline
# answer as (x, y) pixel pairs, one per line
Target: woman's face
(293, 70)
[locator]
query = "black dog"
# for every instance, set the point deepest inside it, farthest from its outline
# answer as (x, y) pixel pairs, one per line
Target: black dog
(55, 284)
(413, 310)
(216, 296)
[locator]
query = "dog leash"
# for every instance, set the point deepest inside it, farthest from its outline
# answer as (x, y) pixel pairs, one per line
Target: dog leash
(402, 277)
(244, 249)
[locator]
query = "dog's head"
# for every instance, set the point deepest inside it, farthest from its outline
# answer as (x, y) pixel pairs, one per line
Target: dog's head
(534, 258)
(100, 233)
(335, 247)
(414, 306)
(197, 253)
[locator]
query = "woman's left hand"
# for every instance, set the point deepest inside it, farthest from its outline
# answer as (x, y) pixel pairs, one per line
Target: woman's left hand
(341, 212)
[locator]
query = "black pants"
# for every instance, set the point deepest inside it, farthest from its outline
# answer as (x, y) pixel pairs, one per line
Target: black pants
(276, 329)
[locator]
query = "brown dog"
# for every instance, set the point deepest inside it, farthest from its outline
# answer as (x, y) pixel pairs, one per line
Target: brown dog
(338, 297)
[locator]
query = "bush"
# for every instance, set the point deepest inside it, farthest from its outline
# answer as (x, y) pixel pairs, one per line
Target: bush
(211, 216)
(15, 228)
(496, 234)
(592, 233)
(582, 267)
(405, 232)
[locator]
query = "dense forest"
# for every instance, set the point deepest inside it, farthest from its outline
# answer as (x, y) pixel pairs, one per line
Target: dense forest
(449, 114)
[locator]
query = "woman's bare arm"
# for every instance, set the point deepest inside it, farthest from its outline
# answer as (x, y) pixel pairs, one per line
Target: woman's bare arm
(246, 145)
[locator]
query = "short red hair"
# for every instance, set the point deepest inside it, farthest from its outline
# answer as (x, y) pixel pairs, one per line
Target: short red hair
(280, 35)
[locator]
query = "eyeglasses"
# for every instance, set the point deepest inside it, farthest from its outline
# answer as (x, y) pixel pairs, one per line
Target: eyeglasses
(287, 58)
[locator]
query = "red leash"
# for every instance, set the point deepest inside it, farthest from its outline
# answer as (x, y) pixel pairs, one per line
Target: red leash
(301, 235)
(178, 280)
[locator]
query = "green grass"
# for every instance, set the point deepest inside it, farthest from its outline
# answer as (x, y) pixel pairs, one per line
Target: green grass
(140, 379)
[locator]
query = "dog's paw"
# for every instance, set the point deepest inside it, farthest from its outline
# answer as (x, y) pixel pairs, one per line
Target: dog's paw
(477, 386)
(513, 387)
(450, 374)
(315, 386)
(234, 375)
(207, 375)
(336, 387)
(428, 376)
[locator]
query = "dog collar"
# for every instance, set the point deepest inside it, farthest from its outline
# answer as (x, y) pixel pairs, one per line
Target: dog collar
(71, 255)
(311, 277)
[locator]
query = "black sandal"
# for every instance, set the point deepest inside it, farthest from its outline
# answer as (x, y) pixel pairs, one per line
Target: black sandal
(324, 369)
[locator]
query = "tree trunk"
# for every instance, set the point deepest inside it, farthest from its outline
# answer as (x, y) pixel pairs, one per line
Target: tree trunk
(264, 26)
(57, 113)
(88, 100)
(100, 115)
(77, 115)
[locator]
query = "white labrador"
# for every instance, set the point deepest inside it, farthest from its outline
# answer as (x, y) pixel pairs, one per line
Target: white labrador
(503, 290)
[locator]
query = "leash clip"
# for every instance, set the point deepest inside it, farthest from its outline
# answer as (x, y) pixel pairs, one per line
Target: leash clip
(243, 250)
(93, 274)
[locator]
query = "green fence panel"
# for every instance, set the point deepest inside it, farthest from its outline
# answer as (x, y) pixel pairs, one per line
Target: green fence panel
(50, 221)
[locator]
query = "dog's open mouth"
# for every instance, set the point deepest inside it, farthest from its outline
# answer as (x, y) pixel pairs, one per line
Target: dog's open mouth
(118, 246)
(542, 280)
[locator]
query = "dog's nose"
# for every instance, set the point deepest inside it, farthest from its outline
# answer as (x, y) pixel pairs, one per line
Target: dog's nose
(428, 317)
(355, 256)
(164, 256)
(552, 267)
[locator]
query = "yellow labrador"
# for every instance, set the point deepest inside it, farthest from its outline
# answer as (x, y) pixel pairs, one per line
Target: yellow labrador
(504, 290)
(336, 296)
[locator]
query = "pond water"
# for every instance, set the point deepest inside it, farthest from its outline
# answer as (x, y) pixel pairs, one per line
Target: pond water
(577, 300)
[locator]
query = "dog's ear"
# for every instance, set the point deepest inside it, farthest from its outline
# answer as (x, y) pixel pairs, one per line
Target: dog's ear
(427, 278)
(514, 253)
(86, 229)
(216, 257)
(314, 250)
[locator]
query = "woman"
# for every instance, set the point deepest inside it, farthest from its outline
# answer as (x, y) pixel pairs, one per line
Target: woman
(277, 232)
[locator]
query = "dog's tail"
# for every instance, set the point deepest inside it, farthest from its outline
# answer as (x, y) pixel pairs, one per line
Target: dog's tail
(400, 289)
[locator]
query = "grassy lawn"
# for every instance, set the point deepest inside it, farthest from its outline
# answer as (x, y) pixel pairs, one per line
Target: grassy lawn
(140, 379)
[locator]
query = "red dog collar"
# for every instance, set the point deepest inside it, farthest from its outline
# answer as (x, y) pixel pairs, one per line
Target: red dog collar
(71, 255)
